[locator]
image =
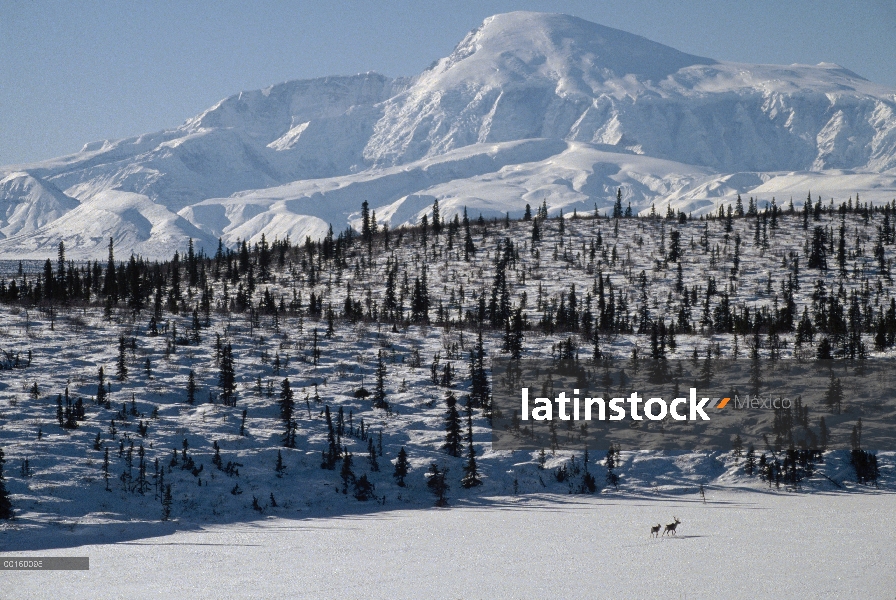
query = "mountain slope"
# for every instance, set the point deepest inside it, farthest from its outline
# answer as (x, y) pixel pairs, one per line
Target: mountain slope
(27, 204)
(526, 75)
(485, 127)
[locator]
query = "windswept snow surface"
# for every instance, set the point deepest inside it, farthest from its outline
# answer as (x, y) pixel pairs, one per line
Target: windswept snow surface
(738, 544)
(528, 106)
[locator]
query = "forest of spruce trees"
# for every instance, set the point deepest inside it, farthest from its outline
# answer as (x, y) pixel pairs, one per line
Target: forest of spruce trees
(291, 371)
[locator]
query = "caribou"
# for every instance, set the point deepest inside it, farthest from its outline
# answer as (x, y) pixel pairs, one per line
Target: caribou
(670, 528)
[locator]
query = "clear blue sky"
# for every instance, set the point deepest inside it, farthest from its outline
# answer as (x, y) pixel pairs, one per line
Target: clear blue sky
(73, 71)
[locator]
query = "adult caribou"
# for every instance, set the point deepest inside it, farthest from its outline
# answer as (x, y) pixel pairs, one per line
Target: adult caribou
(670, 528)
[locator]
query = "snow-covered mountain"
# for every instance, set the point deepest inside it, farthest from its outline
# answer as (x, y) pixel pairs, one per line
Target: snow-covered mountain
(528, 108)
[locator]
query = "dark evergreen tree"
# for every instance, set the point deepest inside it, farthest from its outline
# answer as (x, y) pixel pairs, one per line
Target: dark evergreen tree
(279, 468)
(122, 365)
(110, 284)
(167, 501)
(452, 427)
(737, 447)
(348, 477)
(100, 388)
(818, 254)
(834, 395)
(750, 462)
(617, 206)
(366, 233)
(379, 392)
(611, 462)
(287, 404)
(469, 246)
(371, 455)
(401, 467)
(513, 337)
(364, 489)
(216, 459)
(436, 218)
(471, 474)
(331, 454)
(480, 390)
(674, 246)
(227, 377)
(191, 387)
(438, 484)
(106, 475)
(6, 510)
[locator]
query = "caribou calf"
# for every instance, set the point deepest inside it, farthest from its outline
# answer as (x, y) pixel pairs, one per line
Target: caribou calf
(655, 530)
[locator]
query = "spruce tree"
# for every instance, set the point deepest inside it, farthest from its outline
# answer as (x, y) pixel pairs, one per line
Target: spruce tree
(469, 247)
(216, 459)
(6, 511)
(379, 393)
(348, 477)
(280, 468)
(750, 463)
(287, 404)
(100, 387)
(365, 222)
(480, 392)
(106, 469)
(611, 462)
(818, 253)
(371, 455)
(471, 474)
(191, 387)
(452, 427)
(331, 454)
(437, 483)
(401, 467)
(736, 447)
(227, 377)
(166, 503)
(121, 365)
(363, 489)
(110, 284)
(436, 218)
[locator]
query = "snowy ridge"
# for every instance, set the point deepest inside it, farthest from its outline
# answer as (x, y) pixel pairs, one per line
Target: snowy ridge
(27, 204)
(584, 99)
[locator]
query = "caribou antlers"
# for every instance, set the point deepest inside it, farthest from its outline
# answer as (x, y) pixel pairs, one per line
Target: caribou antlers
(671, 527)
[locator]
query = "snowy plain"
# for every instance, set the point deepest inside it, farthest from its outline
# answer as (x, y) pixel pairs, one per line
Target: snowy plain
(739, 544)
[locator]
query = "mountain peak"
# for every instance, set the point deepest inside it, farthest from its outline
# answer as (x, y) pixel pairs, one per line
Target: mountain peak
(518, 40)
(528, 108)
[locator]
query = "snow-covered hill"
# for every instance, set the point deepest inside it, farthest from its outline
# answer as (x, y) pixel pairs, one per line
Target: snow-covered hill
(529, 107)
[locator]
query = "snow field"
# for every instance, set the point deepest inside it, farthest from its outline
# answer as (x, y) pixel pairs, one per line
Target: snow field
(739, 544)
